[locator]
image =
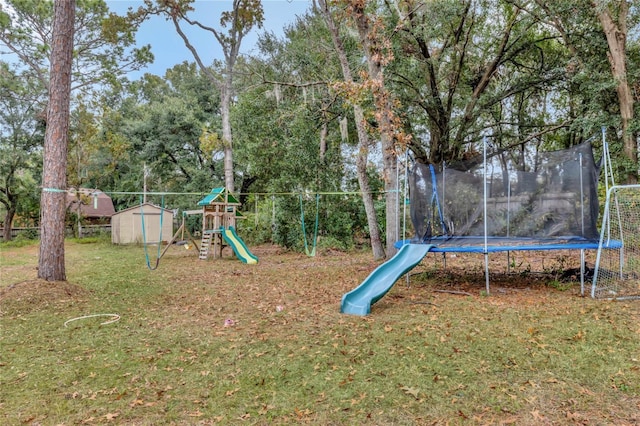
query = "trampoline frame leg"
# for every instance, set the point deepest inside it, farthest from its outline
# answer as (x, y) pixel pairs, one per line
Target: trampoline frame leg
(581, 272)
(486, 271)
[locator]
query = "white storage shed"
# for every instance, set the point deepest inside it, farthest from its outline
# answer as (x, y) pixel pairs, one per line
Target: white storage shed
(126, 225)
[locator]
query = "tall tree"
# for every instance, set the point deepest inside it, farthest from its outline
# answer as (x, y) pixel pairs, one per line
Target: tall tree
(592, 30)
(166, 128)
(461, 59)
(377, 49)
(53, 200)
(20, 143)
(104, 51)
(104, 42)
(361, 130)
(613, 16)
(238, 22)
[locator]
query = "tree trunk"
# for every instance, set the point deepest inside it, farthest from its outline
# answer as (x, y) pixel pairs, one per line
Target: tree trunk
(376, 53)
(8, 223)
(617, 39)
(324, 130)
(54, 180)
(362, 159)
(225, 106)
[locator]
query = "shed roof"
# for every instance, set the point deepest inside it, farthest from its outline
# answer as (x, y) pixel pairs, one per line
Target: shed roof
(219, 195)
(137, 209)
(90, 202)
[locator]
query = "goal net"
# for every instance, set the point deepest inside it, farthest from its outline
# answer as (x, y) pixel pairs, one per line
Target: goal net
(617, 268)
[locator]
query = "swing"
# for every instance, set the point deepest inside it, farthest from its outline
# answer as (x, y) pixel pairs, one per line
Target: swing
(311, 252)
(144, 237)
(187, 243)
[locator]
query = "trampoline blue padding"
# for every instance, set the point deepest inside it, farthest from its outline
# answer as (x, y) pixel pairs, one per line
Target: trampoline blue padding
(498, 244)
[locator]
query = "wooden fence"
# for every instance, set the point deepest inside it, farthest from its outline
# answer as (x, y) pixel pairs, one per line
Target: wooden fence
(34, 231)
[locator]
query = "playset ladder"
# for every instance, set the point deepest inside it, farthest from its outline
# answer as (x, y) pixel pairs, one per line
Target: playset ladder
(204, 246)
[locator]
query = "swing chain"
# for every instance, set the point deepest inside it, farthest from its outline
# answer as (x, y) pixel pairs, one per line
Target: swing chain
(144, 236)
(311, 252)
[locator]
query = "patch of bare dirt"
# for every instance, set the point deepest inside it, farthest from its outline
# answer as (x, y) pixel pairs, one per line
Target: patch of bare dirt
(520, 272)
(31, 295)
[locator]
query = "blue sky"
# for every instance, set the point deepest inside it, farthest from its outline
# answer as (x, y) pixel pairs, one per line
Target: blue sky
(168, 48)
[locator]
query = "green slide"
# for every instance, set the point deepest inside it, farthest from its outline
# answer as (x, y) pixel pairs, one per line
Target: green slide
(238, 246)
(359, 300)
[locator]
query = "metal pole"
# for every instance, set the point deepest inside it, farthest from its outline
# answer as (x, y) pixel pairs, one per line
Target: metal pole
(444, 205)
(404, 204)
(404, 197)
(144, 183)
(581, 194)
(581, 272)
(486, 251)
(444, 200)
(509, 223)
(605, 225)
(397, 230)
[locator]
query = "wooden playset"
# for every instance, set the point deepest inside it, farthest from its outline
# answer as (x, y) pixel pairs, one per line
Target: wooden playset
(219, 215)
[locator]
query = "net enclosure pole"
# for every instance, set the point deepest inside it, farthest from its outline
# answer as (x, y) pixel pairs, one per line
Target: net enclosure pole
(582, 224)
(404, 205)
(508, 222)
(581, 194)
(397, 209)
(605, 224)
(404, 196)
(444, 205)
(609, 179)
(581, 272)
(486, 249)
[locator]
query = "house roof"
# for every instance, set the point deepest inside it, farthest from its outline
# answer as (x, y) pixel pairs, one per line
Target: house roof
(218, 195)
(90, 202)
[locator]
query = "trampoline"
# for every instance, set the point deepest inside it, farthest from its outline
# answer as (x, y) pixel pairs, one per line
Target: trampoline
(496, 245)
(502, 200)
(527, 200)
(475, 245)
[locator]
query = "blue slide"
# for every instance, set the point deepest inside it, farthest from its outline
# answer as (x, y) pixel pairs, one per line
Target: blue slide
(238, 246)
(359, 300)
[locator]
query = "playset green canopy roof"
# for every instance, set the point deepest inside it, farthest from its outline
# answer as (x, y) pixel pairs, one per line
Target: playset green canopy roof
(219, 195)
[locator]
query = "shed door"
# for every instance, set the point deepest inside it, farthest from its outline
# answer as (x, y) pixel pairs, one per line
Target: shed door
(151, 227)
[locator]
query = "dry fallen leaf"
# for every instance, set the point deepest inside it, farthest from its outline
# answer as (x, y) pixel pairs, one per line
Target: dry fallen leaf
(411, 391)
(111, 416)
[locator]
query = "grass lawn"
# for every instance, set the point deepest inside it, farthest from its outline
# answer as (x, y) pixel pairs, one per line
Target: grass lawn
(221, 342)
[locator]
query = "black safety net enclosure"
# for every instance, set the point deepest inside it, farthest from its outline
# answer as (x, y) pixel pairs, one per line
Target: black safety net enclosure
(523, 197)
